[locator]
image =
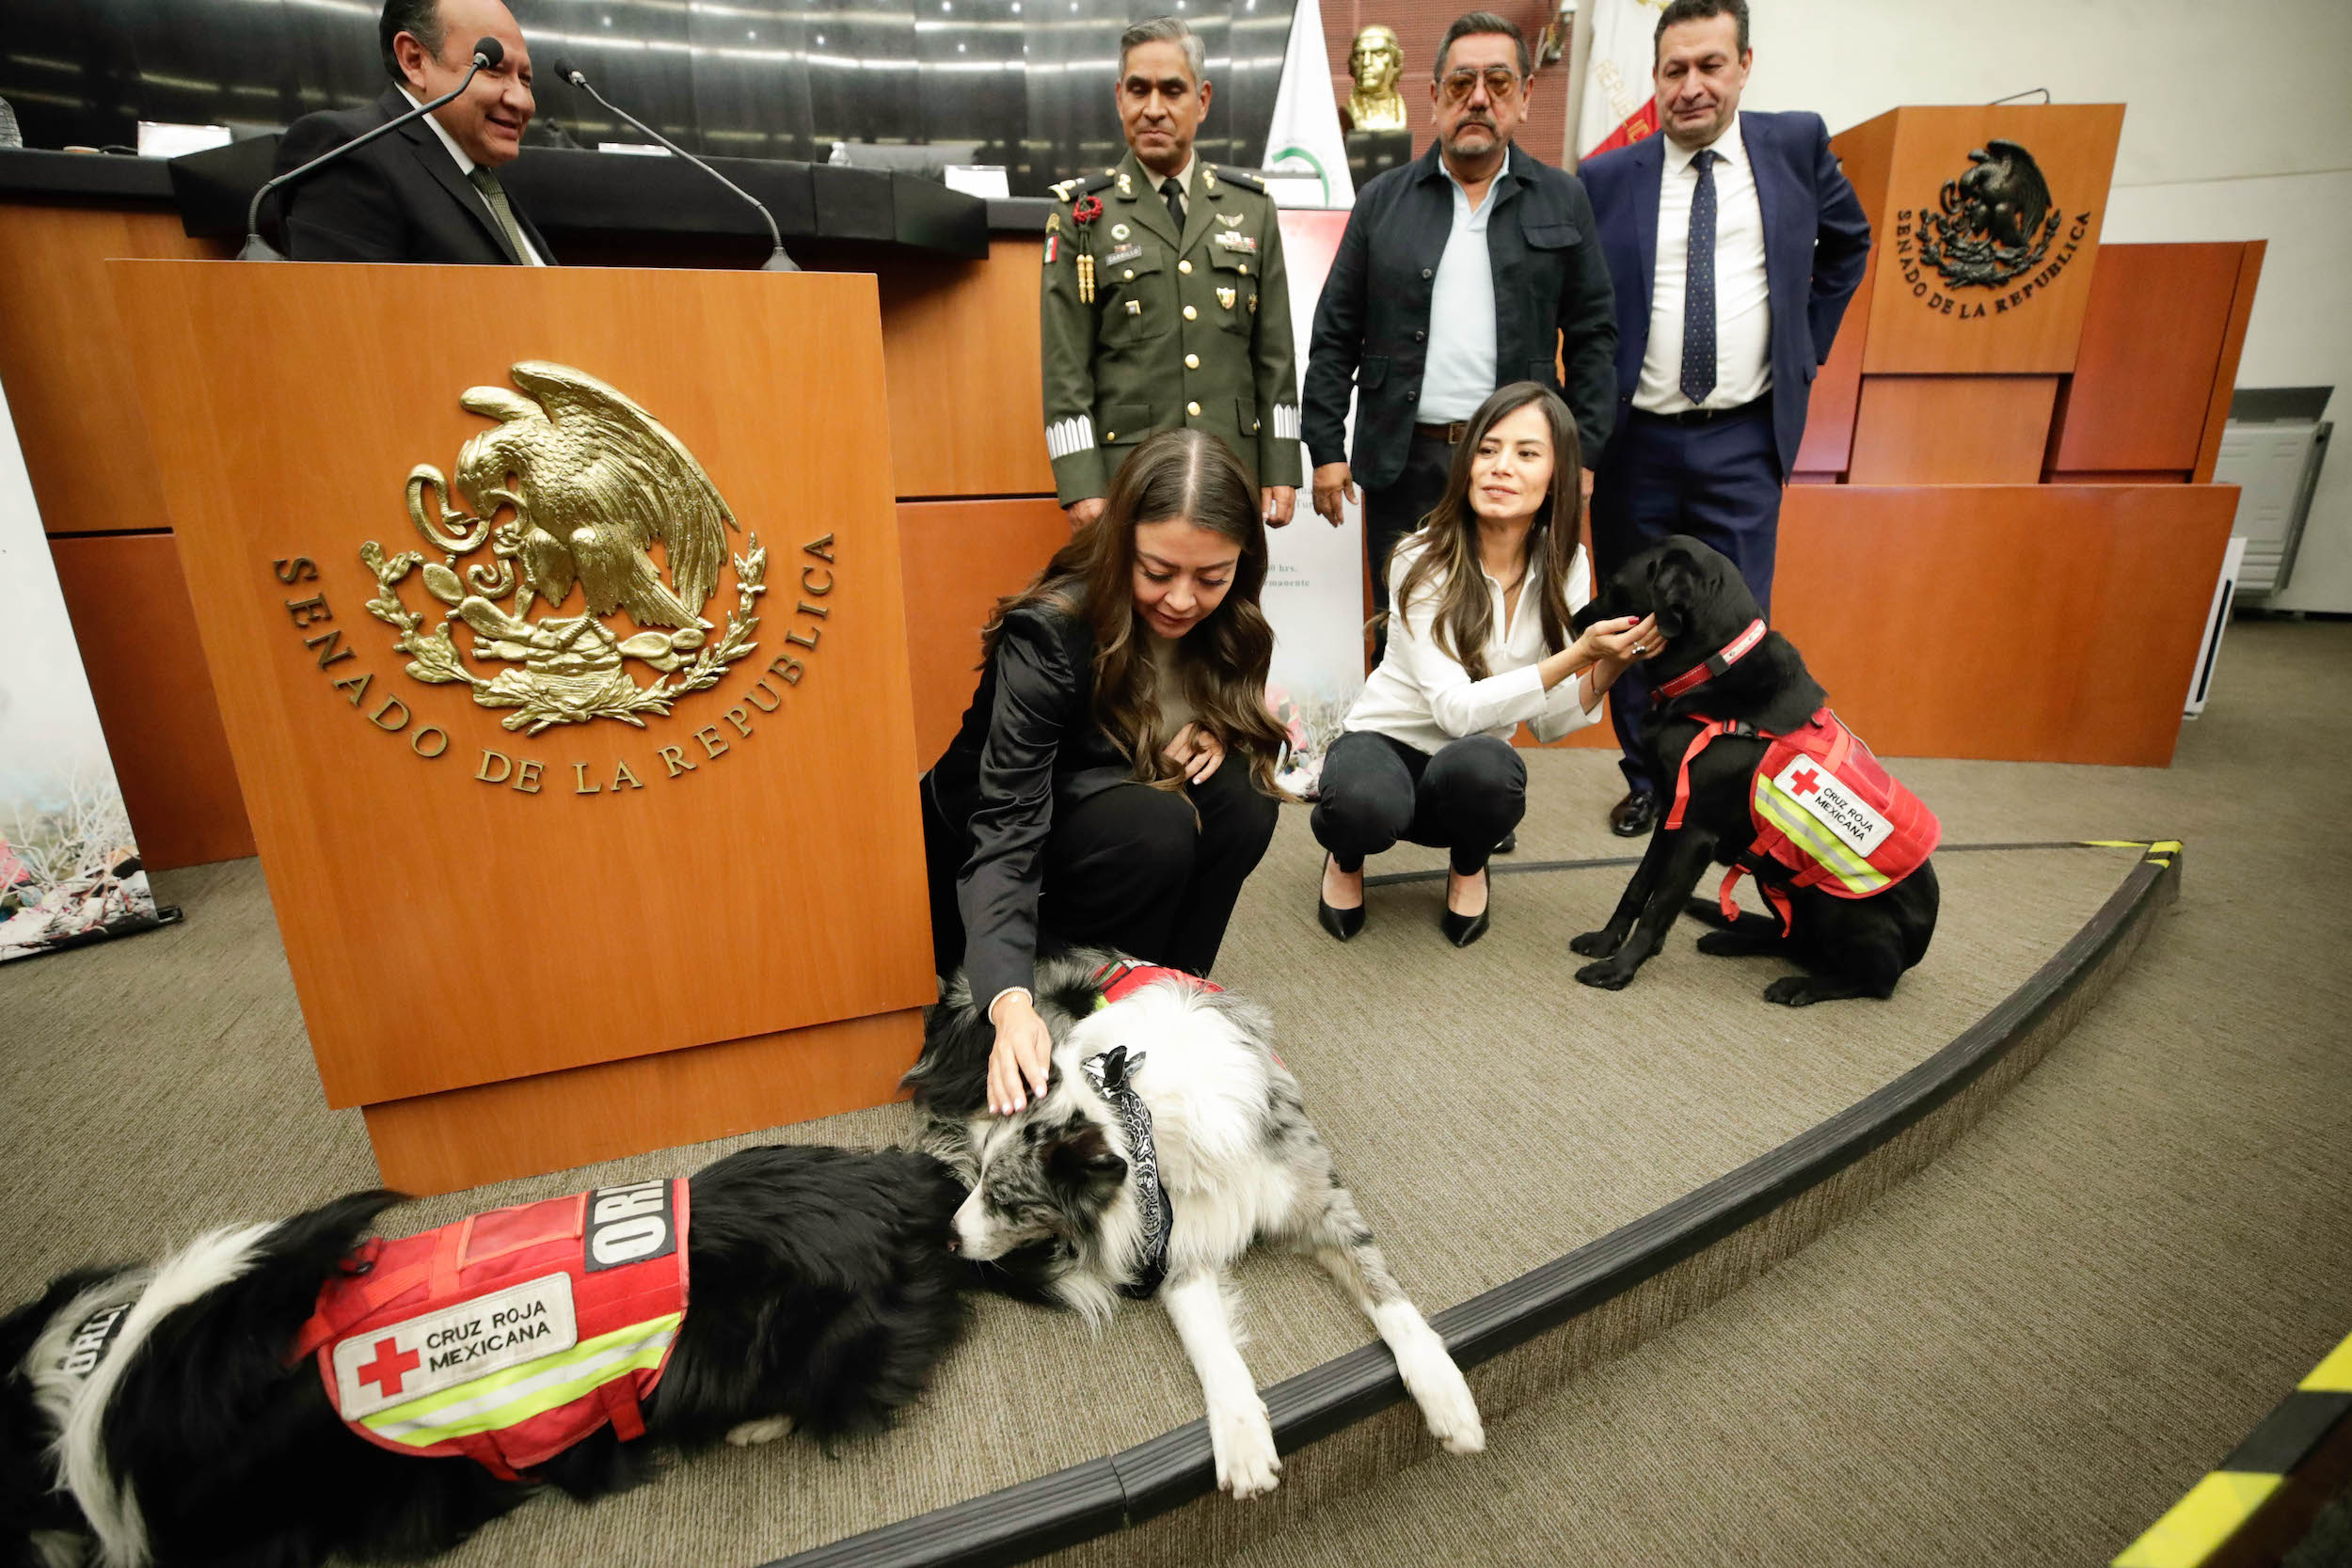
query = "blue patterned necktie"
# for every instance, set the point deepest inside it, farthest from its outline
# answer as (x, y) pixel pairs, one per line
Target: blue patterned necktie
(1698, 293)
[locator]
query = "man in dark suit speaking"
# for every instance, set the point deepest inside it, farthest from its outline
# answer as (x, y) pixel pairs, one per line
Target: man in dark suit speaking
(428, 192)
(1734, 243)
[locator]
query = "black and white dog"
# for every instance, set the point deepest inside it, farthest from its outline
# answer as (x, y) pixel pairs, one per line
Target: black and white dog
(1169, 1139)
(176, 1430)
(1762, 777)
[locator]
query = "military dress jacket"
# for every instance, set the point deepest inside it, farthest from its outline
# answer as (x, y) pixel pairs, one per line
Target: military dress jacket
(1191, 329)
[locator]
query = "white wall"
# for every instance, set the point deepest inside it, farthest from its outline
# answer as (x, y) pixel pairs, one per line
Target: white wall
(2238, 126)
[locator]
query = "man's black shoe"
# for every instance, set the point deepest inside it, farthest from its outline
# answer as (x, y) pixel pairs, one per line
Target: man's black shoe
(1510, 842)
(1634, 816)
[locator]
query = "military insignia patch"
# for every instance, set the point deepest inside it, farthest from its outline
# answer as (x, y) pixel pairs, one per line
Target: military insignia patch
(1230, 220)
(1053, 248)
(1228, 240)
(1119, 230)
(1227, 296)
(1135, 307)
(1123, 255)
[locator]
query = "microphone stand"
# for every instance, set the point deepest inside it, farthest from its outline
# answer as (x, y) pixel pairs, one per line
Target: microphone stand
(258, 249)
(777, 260)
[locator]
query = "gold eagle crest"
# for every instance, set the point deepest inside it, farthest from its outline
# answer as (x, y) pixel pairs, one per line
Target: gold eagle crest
(571, 491)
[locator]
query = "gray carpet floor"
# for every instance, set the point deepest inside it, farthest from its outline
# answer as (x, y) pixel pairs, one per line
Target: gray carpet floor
(2031, 1351)
(1492, 1115)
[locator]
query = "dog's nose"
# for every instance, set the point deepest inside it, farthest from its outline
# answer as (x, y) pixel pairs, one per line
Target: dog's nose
(955, 1243)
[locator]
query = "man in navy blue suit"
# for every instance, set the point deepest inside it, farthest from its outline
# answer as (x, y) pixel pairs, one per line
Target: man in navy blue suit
(1734, 242)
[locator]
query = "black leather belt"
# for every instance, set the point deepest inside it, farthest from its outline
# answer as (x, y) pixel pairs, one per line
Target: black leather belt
(1704, 416)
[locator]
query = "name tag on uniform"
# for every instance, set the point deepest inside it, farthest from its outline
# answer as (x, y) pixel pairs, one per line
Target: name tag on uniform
(1228, 239)
(1123, 255)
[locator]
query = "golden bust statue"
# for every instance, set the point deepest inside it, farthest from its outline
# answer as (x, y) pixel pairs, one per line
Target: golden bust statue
(1377, 61)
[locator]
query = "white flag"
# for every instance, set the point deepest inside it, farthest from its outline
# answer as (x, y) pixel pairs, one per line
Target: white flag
(1620, 105)
(1306, 157)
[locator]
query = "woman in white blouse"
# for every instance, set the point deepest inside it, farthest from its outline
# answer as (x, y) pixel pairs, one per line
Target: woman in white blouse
(1480, 597)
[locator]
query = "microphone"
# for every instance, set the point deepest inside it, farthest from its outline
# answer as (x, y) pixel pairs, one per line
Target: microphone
(777, 260)
(487, 53)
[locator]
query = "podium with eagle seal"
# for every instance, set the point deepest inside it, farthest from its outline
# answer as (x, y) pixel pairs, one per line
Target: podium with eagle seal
(557, 624)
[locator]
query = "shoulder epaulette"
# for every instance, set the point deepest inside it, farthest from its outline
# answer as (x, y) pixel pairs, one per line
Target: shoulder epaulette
(1070, 190)
(1247, 179)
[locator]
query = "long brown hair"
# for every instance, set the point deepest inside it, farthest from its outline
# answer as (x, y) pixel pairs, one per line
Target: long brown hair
(1448, 537)
(1191, 475)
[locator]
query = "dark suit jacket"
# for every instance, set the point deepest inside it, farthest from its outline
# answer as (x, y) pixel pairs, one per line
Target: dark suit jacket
(399, 198)
(1816, 244)
(1028, 747)
(1372, 324)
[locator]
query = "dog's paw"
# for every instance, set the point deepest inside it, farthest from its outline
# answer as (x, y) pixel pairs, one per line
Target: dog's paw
(1446, 1406)
(1791, 990)
(1608, 974)
(1243, 1441)
(1593, 944)
(766, 1429)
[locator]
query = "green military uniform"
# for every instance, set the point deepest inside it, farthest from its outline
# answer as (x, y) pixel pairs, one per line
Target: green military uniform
(1191, 329)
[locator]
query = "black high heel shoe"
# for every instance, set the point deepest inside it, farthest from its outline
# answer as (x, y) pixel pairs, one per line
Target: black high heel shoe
(1463, 929)
(1342, 924)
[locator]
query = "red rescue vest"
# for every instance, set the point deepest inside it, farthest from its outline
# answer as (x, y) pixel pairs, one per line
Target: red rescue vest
(1827, 815)
(512, 1334)
(1123, 977)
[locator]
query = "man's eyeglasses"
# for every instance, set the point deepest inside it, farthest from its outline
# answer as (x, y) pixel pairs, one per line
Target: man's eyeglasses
(1502, 82)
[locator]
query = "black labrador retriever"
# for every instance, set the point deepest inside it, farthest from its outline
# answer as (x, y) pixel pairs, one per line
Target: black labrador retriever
(1726, 684)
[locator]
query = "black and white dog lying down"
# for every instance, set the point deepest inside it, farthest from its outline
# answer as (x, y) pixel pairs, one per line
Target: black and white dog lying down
(1762, 777)
(206, 1409)
(1169, 1139)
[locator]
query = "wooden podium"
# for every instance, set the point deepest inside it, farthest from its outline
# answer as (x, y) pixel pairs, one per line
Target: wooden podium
(556, 620)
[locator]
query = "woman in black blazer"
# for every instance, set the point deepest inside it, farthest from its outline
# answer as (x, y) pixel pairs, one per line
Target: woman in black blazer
(1112, 784)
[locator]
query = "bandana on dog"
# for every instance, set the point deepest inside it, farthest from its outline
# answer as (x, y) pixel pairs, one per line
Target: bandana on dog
(1112, 1074)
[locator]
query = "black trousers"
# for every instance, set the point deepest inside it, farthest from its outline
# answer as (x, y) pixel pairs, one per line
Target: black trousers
(1719, 482)
(1150, 872)
(1392, 513)
(1376, 790)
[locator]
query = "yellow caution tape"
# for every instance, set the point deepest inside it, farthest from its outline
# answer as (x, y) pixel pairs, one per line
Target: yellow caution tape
(2198, 1524)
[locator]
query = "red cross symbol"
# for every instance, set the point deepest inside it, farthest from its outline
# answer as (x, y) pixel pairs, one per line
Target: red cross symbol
(1804, 783)
(390, 1365)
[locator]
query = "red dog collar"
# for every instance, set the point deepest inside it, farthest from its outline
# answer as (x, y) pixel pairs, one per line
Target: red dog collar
(1732, 653)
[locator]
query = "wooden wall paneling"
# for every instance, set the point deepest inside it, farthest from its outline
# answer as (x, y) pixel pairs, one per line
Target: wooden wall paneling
(1919, 325)
(438, 1142)
(452, 921)
(1827, 448)
(960, 558)
(1906, 603)
(960, 342)
(2144, 374)
(2225, 374)
(1951, 429)
(139, 646)
(62, 360)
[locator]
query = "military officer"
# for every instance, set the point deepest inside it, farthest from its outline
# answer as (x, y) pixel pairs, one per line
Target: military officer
(1165, 301)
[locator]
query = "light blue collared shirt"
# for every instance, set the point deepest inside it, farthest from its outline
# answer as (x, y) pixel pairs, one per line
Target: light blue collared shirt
(1460, 370)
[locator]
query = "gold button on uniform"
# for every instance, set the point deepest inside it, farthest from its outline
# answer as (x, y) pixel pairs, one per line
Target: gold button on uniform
(1183, 266)
(1245, 267)
(1131, 275)
(1191, 314)
(1193, 408)
(1192, 361)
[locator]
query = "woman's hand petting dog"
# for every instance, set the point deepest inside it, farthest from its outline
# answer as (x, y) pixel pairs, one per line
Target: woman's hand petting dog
(1617, 643)
(1024, 1053)
(1196, 751)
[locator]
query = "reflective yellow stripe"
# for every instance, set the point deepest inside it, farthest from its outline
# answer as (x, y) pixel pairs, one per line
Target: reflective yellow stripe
(1815, 839)
(503, 1399)
(2199, 1523)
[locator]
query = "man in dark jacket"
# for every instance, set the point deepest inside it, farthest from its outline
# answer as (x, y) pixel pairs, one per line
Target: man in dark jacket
(429, 191)
(1734, 240)
(1471, 267)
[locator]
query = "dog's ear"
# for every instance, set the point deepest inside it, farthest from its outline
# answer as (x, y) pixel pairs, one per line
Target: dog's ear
(1674, 585)
(1083, 1158)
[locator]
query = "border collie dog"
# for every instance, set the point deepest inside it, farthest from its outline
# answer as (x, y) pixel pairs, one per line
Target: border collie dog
(168, 1411)
(1169, 1139)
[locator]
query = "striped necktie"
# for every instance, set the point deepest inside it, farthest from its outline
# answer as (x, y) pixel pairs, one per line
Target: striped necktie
(500, 208)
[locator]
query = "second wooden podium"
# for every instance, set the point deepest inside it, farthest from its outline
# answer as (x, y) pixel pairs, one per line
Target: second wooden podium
(556, 620)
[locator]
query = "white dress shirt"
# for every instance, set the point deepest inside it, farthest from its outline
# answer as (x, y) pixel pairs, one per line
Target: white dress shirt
(1423, 698)
(1460, 369)
(465, 167)
(1743, 314)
